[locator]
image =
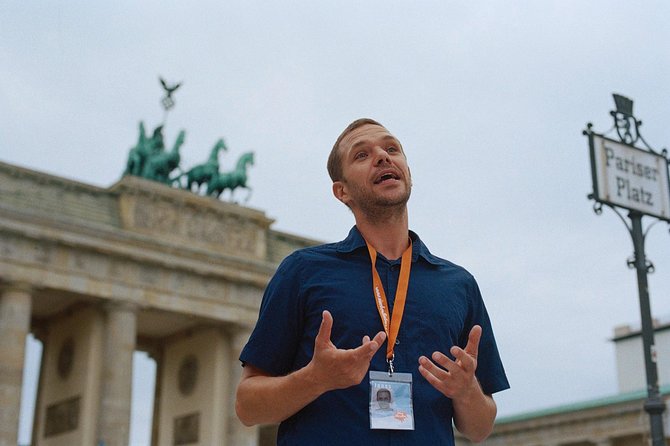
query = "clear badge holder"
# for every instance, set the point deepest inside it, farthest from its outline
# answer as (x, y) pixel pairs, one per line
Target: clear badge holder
(391, 401)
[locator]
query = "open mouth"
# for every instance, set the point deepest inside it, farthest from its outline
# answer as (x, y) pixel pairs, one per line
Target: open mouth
(386, 176)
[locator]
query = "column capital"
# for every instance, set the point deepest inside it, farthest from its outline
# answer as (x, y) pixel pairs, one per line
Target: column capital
(120, 305)
(21, 287)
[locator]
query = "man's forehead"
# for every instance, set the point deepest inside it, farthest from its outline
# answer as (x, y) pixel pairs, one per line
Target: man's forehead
(364, 133)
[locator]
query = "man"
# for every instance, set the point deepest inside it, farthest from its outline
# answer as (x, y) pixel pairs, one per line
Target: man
(383, 399)
(310, 361)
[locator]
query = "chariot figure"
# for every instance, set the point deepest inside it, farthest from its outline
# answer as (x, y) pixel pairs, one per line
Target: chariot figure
(160, 163)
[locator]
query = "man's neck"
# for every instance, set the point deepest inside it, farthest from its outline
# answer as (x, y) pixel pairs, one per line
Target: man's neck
(390, 237)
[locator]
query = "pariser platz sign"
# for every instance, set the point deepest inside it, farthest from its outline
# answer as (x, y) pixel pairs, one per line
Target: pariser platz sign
(629, 177)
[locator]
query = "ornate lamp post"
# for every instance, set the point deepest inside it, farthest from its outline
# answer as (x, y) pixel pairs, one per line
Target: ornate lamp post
(634, 179)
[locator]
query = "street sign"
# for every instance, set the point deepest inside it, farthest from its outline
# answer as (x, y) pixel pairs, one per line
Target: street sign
(635, 179)
(629, 177)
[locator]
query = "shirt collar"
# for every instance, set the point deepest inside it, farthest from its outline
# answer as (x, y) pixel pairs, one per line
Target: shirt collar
(356, 241)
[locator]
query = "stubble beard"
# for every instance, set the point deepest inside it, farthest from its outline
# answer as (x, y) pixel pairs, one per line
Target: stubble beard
(378, 209)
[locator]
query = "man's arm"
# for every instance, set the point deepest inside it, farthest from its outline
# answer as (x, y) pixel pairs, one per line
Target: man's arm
(263, 398)
(474, 411)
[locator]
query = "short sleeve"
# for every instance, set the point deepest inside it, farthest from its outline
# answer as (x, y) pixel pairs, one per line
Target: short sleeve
(490, 371)
(273, 343)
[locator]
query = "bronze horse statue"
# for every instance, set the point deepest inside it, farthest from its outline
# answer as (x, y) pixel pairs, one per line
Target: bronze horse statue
(232, 180)
(159, 165)
(145, 147)
(203, 173)
(148, 159)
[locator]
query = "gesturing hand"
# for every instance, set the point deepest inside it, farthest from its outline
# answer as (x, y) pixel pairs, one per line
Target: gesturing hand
(340, 368)
(455, 379)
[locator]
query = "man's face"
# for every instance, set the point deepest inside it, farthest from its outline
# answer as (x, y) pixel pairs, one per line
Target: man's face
(374, 170)
(384, 399)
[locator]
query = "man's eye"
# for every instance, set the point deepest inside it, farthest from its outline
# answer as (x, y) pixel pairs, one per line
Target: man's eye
(360, 155)
(391, 149)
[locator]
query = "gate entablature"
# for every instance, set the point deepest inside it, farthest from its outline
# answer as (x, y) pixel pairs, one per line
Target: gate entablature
(138, 241)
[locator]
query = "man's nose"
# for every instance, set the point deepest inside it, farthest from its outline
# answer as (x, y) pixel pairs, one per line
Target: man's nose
(381, 156)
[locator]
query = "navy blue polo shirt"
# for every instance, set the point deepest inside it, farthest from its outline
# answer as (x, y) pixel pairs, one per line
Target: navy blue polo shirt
(443, 303)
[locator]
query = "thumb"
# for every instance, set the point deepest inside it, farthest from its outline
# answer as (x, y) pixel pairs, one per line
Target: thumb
(323, 336)
(472, 348)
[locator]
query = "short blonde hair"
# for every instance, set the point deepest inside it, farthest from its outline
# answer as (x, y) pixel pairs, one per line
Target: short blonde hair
(335, 158)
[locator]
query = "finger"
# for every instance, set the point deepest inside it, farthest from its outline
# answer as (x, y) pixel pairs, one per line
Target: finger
(379, 339)
(440, 379)
(323, 336)
(376, 343)
(368, 350)
(431, 369)
(472, 347)
(444, 361)
(432, 379)
(464, 360)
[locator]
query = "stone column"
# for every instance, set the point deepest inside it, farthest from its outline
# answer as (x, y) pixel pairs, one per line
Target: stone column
(238, 433)
(117, 375)
(15, 307)
(157, 355)
(41, 335)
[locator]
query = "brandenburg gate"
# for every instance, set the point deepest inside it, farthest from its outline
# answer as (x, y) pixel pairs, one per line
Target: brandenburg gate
(98, 273)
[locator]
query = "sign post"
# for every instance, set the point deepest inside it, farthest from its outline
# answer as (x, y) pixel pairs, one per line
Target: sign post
(625, 176)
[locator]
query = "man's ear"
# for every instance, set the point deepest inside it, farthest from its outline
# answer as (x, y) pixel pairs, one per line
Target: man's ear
(340, 191)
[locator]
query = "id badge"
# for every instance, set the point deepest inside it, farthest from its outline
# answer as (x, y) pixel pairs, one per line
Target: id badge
(391, 401)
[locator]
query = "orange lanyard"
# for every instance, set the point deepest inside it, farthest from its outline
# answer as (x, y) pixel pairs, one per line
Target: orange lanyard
(392, 324)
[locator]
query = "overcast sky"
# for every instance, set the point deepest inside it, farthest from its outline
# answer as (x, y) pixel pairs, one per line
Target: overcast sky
(488, 98)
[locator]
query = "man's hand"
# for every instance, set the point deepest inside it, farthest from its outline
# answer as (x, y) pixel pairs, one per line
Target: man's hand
(339, 368)
(474, 412)
(455, 379)
(264, 399)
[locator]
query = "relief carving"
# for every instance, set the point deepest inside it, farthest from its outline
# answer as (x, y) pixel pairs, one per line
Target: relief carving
(149, 274)
(177, 280)
(205, 227)
(62, 417)
(122, 270)
(208, 227)
(155, 215)
(7, 246)
(43, 252)
(186, 429)
(92, 263)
